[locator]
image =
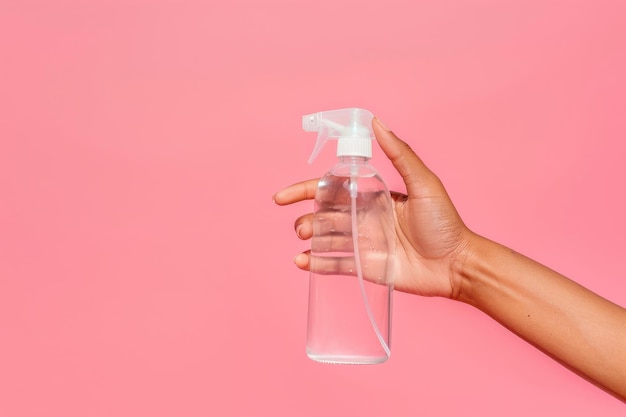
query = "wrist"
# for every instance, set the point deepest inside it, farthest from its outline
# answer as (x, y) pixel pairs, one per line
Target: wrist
(465, 266)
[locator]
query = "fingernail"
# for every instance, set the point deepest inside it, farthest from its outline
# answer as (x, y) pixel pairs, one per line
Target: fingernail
(300, 259)
(298, 228)
(382, 125)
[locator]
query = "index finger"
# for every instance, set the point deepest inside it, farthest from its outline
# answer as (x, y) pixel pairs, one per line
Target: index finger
(304, 190)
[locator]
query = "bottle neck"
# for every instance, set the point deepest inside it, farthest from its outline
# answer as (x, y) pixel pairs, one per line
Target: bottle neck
(349, 166)
(353, 160)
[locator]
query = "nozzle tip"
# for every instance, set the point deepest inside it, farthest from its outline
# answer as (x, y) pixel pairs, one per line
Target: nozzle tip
(310, 122)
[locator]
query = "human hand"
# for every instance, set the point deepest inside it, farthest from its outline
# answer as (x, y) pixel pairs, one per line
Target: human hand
(431, 238)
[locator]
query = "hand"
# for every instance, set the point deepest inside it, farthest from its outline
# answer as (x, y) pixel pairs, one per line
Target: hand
(431, 238)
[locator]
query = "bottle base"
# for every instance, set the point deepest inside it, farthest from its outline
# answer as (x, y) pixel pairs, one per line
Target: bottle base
(347, 359)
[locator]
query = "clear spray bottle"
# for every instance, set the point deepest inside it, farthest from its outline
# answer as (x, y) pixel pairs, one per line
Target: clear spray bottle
(351, 278)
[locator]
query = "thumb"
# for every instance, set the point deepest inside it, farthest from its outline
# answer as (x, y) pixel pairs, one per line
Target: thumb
(414, 172)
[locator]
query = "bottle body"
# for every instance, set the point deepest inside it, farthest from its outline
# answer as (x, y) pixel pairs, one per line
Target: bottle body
(351, 278)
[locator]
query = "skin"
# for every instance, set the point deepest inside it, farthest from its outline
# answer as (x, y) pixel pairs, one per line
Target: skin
(437, 255)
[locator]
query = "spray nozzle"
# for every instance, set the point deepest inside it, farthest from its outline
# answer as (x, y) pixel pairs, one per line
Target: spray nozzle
(351, 127)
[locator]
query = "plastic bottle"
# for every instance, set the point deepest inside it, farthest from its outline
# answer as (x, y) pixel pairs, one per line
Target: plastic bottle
(351, 278)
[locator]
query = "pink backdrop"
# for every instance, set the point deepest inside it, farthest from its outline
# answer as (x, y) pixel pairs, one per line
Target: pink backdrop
(144, 270)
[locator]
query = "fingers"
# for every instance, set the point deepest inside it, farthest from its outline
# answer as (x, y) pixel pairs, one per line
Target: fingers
(331, 265)
(297, 192)
(302, 260)
(373, 269)
(304, 226)
(415, 174)
(334, 235)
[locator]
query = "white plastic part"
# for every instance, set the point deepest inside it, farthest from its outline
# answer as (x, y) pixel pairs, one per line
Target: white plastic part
(352, 128)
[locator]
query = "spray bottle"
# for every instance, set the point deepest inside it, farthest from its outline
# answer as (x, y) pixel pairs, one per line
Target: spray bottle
(351, 278)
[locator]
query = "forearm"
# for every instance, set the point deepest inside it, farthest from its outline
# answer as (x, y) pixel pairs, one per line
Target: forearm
(577, 327)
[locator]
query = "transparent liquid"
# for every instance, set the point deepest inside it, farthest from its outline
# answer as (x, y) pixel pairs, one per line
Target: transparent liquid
(339, 328)
(350, 313)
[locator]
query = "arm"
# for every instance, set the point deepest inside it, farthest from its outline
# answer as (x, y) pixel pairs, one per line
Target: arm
(580, 329)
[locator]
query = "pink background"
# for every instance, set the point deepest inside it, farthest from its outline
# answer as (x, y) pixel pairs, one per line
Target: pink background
(144, 270)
